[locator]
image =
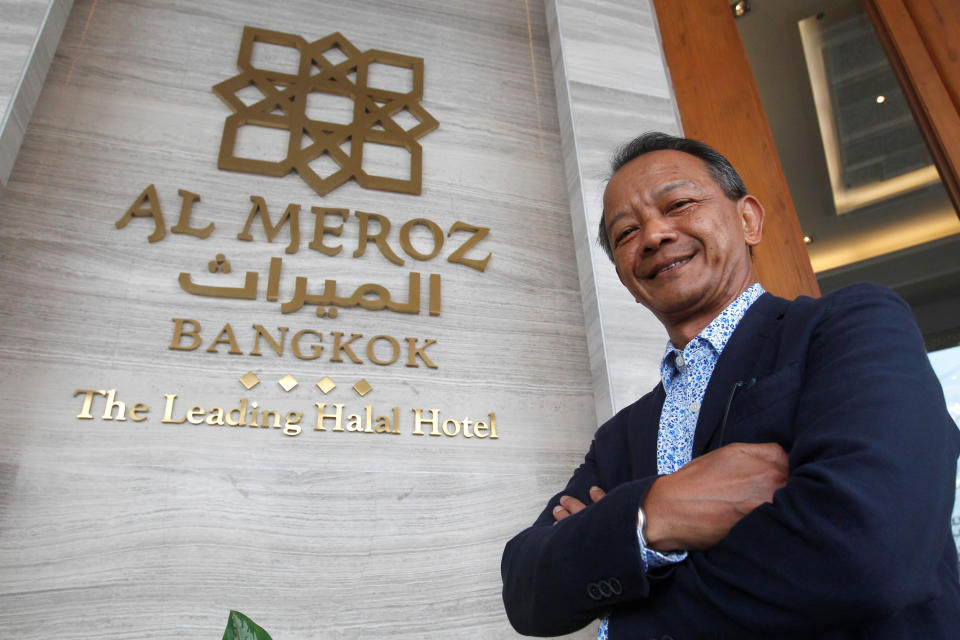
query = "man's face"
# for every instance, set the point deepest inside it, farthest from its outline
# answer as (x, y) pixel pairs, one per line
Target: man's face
(679, 244)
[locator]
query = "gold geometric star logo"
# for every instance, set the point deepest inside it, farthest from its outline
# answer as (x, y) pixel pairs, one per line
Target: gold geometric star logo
(308, 104)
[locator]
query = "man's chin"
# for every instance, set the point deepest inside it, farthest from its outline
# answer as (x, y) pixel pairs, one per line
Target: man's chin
(673, 307)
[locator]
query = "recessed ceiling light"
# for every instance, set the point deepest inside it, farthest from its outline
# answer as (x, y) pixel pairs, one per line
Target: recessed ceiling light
(881, 99)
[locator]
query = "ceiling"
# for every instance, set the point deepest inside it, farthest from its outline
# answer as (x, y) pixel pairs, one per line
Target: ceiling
(855, 246)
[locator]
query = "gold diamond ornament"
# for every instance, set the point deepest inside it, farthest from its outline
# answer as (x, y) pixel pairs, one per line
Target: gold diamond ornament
(362, 387)
(249, 380)
(326, 385)
(288, 382)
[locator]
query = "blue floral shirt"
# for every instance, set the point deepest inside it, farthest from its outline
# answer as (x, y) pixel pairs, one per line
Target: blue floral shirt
(685, 374)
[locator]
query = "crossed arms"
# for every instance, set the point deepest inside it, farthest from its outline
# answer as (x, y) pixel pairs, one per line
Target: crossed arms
(694, 508)
(853, 529)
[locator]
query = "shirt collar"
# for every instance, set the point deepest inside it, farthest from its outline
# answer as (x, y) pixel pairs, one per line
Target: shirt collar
(718, 332)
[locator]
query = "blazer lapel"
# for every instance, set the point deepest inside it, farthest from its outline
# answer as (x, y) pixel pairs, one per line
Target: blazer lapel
(743, 358)
(642, 436)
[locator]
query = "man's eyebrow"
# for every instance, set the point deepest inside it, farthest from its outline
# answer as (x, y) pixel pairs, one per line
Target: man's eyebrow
(670, 186)
(609, 225)
(657, 193)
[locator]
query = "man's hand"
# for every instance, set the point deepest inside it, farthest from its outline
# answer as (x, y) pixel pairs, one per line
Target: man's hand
(695, 507)
(569, 506)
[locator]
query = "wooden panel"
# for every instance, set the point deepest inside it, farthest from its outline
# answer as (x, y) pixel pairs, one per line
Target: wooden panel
(719, 104)
(917, 36)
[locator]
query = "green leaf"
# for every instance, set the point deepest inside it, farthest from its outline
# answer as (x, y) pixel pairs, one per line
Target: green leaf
(240, 627)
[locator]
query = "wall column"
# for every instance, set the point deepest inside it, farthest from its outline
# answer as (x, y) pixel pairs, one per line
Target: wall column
(612, 84)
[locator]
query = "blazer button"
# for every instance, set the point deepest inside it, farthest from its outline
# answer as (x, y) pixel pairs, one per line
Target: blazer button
(593, 590)
(615, 586)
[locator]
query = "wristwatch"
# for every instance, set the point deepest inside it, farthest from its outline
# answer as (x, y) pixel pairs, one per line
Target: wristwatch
(642, 527)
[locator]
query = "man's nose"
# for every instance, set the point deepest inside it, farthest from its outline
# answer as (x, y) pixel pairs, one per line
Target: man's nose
(658, 232)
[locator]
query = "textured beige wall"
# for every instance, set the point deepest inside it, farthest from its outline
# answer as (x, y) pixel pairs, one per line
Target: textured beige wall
(146, 530)
(612, 84)
(29, 32)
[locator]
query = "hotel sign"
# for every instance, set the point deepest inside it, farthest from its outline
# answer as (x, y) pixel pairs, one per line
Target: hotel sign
(331, 66)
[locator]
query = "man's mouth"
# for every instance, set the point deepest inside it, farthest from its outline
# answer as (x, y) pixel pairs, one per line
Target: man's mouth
(673, 264)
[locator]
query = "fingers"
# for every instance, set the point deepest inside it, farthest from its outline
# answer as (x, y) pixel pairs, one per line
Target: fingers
(569, 505)
(769, 451)
(597, 494)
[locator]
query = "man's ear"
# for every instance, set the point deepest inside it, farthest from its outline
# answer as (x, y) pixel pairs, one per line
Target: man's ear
(751, 219)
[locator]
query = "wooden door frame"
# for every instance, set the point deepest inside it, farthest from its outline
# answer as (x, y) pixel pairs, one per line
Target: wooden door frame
(916, 37)
(719, 104)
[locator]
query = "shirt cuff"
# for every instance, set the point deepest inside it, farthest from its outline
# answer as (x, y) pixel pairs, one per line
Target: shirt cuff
(653, 559)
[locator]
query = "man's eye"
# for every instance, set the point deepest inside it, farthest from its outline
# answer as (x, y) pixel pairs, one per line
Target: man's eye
(624, 234)
(679, 204)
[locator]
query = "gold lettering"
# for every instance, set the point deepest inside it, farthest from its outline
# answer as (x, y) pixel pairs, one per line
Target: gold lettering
(136, 410)
(418, 422)
(291, 423)
(88, 401)
(480, 429)
(179, 333)
(225, 337)
(113, 403)
(337, 417)
(292, 214)
(272, 415)
(414, 351)
(186, 209)
(456, 428)
(169, 399)
(215, 417)
(434, 230)
(493, 426)
(273, 279)
(278, 347)
(152, 210)
(379, 238)
(435, 300)
(458, 256)
(371, 355)
(241, 414)
(195, 415)
(354, 422)
(369, 413)
(337, 347)
(316, 349)
(320, 229)
(466, 428)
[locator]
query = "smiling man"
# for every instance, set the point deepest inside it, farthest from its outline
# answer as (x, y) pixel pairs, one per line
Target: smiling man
(791, 476)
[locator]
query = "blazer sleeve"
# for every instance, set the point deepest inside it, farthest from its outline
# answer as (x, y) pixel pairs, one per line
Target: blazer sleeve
(857, 533)
(557, 578)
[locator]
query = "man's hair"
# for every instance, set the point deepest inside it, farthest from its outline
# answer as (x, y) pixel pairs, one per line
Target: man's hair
(720, 168)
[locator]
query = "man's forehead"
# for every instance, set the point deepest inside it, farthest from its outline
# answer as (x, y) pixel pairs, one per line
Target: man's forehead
(656, 174)
(657, 169)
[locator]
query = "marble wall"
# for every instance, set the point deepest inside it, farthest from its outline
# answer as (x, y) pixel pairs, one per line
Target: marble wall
(29, 32)
(612, 84)
(153, 529)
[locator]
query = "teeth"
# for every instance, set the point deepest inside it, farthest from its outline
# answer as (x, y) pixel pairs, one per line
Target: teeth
(673, 264)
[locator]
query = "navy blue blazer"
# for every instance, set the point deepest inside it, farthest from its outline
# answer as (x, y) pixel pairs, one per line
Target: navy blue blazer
(856, 545)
